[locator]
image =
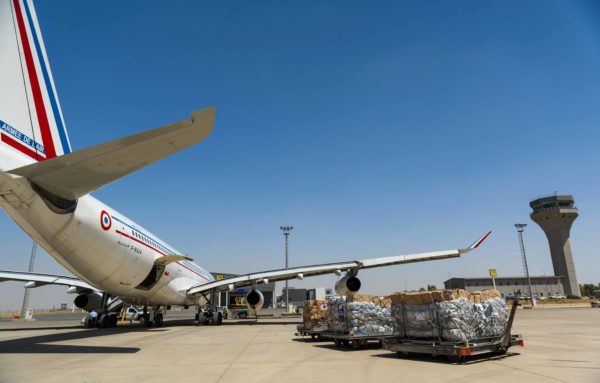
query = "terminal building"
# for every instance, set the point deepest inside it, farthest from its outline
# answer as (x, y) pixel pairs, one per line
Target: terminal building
(545, 286)
(297, 297)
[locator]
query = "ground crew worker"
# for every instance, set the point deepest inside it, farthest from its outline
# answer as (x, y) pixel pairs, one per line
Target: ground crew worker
(93, 318)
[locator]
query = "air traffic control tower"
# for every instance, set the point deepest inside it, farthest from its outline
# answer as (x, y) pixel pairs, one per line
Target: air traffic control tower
(555, 215)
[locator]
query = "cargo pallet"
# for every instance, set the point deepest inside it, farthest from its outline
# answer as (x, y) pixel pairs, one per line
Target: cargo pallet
(457, 351)
(355, 340)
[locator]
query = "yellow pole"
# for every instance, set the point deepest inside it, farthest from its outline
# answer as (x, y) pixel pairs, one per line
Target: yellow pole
(123, 313)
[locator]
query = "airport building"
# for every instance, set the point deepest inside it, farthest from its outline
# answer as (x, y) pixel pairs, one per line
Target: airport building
(544, 286)
(236, 297)
(299, 296)
(296, 296)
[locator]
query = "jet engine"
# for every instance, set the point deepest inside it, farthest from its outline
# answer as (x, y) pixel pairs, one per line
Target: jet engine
(347, 285)
(255, 300)
(89, 302)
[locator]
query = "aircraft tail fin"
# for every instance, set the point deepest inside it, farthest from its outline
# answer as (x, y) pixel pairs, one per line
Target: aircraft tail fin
(78, 173)
(31, 122)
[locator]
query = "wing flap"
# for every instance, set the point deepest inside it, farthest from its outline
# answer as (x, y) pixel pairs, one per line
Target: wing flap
(78, 173)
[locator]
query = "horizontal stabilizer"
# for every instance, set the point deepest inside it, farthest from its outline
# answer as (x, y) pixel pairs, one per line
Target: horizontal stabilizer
(75, 174)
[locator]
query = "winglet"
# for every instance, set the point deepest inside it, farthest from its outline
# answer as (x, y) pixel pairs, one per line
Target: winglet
(475, 244)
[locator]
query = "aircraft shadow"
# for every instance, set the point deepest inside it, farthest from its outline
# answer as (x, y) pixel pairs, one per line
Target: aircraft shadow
(42, 344)
(42, 328)
(39, 344)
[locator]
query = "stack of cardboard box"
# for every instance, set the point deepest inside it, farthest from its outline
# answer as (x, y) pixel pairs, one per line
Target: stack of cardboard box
(425, 297)
(377, 301)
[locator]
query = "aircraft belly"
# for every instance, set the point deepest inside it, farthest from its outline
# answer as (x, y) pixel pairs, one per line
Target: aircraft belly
(171, 291)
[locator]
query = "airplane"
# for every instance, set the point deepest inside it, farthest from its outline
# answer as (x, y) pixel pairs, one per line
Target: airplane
(45, 188)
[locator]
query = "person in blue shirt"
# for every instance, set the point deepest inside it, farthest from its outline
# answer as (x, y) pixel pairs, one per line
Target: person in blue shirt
(93, 318)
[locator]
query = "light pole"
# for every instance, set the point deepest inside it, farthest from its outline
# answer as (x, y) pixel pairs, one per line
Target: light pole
(286, 233)
(27, 289)
(520, 227)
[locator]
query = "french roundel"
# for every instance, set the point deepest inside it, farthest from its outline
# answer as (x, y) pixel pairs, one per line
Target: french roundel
(105, 220)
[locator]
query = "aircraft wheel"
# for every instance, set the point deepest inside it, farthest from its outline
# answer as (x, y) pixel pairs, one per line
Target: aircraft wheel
(158, 320)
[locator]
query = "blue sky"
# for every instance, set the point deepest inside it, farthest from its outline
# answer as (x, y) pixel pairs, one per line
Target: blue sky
(374, 128)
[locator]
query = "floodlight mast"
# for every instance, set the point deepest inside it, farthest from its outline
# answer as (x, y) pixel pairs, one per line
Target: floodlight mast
(520, 228)
(25, 305)
(286, 233)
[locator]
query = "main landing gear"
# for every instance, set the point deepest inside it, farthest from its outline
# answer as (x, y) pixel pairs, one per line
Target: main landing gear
(209, 316)
(105, 318)
(156, 317)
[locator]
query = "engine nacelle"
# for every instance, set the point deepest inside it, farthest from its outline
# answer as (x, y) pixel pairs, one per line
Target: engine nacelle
(348, 285)
(89, 302)
(255, 300)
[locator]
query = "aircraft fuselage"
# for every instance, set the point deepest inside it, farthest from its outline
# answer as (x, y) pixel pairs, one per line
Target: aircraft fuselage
(101, 246)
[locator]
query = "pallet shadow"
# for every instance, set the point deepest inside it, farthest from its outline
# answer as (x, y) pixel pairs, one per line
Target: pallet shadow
(332, 346)
(441, 359)
(310, 340)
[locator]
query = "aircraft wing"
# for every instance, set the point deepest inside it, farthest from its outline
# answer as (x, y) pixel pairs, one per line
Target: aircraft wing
(37, 280)
(78, 173)
(329, 268)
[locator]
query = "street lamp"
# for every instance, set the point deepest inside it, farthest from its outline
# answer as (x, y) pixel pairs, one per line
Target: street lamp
(286, 233)
(520, 228)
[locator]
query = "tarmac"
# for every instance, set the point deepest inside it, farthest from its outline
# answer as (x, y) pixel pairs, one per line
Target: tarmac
(561, 345)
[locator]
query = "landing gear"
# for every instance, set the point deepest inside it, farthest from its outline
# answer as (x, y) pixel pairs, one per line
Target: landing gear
(106, 319)
(209, 315)
(217, 318)
(154, 318)
(146, 318)
(158, 319)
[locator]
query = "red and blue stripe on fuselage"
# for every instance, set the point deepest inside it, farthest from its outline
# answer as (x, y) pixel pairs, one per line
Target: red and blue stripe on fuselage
(148, 241)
